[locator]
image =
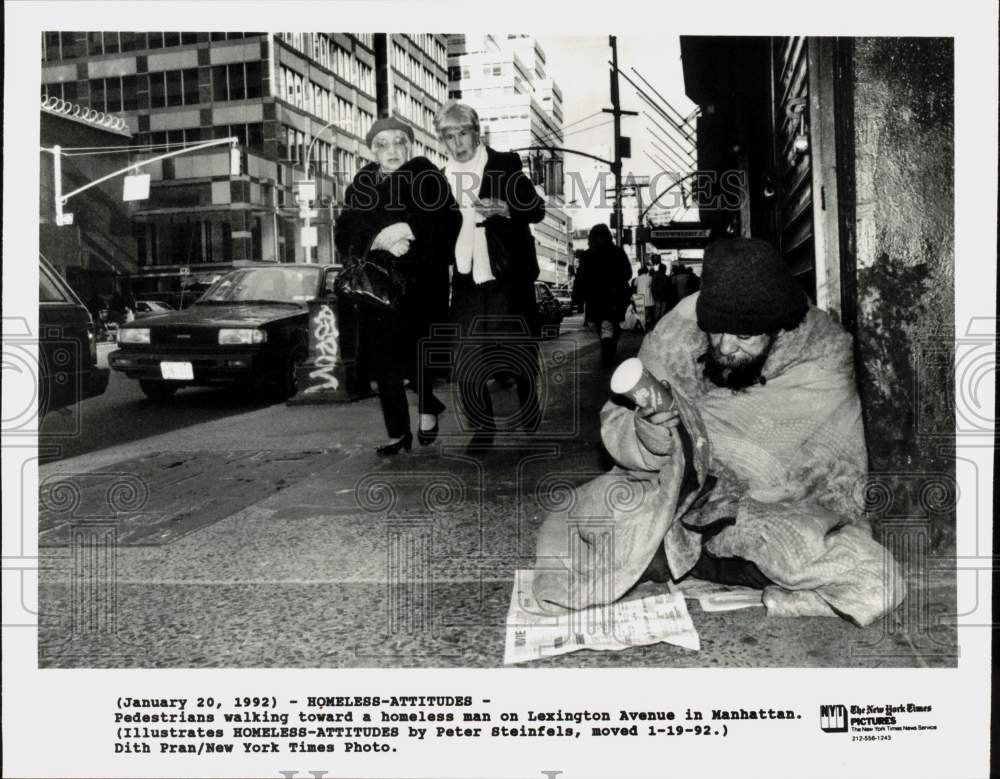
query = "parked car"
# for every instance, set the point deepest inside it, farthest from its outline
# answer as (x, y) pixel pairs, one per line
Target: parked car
(249, 329)
(565, 297)
(67, 348)
(549, 310)
(144, 308)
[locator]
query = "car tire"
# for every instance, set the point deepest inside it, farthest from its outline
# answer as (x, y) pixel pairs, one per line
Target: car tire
(157, 391)
(282, 384)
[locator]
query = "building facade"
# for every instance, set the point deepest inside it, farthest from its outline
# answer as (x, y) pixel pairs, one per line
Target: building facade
(299, 105)
(413, 84)
(503, 77)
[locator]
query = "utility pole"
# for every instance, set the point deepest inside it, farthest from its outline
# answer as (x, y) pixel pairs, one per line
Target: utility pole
(622, 145)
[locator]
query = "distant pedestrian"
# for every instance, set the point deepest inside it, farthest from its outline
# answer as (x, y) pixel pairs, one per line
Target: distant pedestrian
(663, 291)
(684, 282)
(604, 274)
(644, 290)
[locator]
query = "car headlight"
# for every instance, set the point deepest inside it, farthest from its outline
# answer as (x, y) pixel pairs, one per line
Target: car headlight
(241, 336)
(133, 335)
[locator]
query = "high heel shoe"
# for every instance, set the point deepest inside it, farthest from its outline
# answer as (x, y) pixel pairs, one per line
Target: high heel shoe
(394, 448)
(427, 437)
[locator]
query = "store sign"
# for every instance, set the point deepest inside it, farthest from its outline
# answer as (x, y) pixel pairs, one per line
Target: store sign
(136, 187)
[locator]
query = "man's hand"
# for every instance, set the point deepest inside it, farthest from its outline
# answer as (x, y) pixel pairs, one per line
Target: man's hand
(652, 428)
(492, 207)
(389, 236)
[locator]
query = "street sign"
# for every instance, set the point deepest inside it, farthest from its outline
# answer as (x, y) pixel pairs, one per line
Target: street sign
(674, 232)
(309, 237)
(693, 236)
(305, 190)
(136, 187)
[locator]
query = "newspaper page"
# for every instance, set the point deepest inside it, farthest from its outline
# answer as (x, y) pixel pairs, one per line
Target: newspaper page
(532, 634)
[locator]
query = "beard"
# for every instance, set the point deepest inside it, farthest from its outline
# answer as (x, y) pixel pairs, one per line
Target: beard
(734, 372)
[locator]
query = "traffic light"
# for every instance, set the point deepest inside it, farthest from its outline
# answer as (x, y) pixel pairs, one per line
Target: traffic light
(627, 236)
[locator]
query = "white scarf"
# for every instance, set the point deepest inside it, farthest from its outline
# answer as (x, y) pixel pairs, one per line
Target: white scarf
(471, 252)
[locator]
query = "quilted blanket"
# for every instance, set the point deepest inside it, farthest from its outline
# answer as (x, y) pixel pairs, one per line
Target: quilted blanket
(772, 474)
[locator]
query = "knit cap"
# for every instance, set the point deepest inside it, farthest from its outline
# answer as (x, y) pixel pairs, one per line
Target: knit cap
(747, 289)
(387, 123)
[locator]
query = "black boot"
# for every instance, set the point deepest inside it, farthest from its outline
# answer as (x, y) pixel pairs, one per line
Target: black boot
(609, 353)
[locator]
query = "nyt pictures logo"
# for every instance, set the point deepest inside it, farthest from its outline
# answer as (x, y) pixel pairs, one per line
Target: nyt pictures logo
(833, 718)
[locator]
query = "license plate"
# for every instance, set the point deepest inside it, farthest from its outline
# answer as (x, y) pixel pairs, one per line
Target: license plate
(177, 371)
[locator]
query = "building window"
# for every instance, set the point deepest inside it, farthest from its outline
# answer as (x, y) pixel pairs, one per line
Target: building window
(155, 40)
(157, 90)
(172, 88)
(67, 90)
(249, 135)
(190, 79)
(111, 95)
(253, 78)
(94, 43)
(175, 91)
(237, 81)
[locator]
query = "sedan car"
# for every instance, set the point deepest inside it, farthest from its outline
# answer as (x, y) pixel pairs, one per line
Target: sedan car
(565, 298)
(67, 349)
(549, 310)
(249, 329)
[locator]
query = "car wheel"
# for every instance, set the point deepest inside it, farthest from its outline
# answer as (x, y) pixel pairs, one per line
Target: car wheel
(283, 383)
(158, 391)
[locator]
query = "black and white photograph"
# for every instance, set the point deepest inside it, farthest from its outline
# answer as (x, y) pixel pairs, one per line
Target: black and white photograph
(395, 398)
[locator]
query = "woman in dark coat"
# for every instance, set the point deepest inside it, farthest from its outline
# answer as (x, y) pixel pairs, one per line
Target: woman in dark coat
(604, 276)
(493, 292)
(403, 206)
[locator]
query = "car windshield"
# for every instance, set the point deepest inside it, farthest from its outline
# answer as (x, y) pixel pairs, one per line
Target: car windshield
(264, 285)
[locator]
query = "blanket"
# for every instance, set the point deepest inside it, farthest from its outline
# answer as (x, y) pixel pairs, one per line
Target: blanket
(771, 474)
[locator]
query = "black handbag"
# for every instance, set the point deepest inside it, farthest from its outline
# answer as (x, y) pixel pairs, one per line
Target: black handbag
(371, 280)
(502, 242)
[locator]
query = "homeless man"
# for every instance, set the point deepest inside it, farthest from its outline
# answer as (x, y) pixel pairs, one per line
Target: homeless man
(751, 477)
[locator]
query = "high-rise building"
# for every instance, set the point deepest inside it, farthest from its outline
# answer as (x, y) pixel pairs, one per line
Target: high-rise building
(413, 84)
(503, 77)
(299, 104)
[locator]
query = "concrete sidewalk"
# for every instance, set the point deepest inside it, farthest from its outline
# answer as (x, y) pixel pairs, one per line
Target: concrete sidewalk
(277, 538)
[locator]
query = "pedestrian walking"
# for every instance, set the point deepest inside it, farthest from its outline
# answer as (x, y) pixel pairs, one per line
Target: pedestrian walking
(663, 293)
(604, 274)
(684, 281)
(403, 206)
(493, 287)
(644, 290)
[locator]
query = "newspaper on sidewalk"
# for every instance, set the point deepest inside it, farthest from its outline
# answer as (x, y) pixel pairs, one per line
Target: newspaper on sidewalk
(531, 635)
(712, 596)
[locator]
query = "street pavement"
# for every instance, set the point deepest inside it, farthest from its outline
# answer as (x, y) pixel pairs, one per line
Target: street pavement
(250, 536)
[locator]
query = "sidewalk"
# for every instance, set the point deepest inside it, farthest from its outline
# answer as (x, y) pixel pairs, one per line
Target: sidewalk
(277, 538)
